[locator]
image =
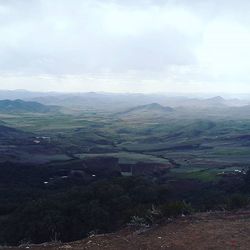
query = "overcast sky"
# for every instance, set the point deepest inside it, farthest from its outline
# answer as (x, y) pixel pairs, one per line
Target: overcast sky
(125, 45)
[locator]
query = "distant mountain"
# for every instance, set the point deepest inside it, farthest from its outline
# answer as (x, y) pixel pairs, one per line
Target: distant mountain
(23, 94)
(121, 102)
(216, 99)
(117, 102)
(146, 111)
(14, 106)
(101, 101)
(150, 107)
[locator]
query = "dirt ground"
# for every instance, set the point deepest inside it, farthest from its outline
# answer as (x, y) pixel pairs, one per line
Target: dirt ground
(200, 231)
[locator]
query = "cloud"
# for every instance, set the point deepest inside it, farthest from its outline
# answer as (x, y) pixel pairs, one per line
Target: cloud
(117, 45)
(94, 37)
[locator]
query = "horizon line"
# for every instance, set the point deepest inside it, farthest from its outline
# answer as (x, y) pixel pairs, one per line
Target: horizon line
(126, 92)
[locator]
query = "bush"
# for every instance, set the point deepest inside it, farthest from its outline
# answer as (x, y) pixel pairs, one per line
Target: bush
(173, 209)
(237, 201)
(138, 222)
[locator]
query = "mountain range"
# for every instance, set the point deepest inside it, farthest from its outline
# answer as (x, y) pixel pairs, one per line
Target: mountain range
(20, 106)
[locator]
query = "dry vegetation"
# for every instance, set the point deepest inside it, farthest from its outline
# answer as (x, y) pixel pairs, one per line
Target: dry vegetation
(201, 231)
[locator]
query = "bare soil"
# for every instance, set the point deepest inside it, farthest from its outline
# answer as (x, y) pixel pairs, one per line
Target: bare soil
(200, 231)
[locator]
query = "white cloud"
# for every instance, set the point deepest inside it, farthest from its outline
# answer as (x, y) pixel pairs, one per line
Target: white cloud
(226, 49)
(124, 45)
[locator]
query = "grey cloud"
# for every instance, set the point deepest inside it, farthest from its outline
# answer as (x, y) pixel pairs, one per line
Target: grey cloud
(35, 39)
(72, 37)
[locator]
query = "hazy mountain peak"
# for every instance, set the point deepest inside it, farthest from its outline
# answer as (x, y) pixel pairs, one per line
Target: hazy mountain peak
(151, 107)
(216, 99)
(24, 106)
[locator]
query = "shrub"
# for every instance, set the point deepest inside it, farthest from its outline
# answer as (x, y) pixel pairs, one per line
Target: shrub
(173, 209)
(237, 201)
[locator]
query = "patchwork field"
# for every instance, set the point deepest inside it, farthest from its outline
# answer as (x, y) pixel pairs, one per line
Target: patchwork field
(198, 142)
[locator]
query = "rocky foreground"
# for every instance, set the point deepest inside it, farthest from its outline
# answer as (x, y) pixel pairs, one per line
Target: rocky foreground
(201, 231)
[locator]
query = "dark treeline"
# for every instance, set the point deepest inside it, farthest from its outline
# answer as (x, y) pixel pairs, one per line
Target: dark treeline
(35, 209)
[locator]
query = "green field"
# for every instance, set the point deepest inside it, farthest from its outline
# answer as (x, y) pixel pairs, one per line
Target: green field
(128, 157)
(206, 144)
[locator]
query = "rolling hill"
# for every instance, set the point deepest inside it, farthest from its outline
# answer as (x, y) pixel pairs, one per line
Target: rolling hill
(7, 133)
(20, 106)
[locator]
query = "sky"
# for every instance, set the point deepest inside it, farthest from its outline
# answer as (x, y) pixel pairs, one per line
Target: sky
(161, 46)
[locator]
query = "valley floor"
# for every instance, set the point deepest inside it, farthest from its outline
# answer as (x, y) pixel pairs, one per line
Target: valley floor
(200, 231)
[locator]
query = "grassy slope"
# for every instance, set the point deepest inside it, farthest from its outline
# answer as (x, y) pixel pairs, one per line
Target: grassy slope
(193, 143)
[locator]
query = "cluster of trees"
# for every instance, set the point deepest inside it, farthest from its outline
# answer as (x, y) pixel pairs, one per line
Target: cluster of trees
(67, 215)
(33, 212)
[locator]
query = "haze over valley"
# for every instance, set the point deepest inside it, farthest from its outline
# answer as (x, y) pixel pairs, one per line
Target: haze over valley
(52, 142)
(124, 124)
